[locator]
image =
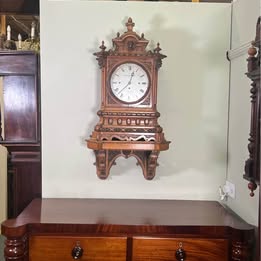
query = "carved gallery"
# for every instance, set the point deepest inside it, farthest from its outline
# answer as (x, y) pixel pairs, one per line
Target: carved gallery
(130, 130)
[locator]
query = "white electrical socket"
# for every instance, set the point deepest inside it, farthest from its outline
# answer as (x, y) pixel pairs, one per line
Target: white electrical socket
(230, 189)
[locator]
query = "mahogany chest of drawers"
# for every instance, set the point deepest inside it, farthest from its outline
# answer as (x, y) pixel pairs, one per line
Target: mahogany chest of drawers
(127, 230)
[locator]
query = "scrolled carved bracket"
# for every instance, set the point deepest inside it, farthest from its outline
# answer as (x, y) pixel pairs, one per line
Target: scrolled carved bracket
(105, 159)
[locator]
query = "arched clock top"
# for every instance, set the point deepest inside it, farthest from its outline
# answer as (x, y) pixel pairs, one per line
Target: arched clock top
(130, 44)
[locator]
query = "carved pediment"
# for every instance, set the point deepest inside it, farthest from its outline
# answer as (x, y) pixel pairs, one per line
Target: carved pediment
(130, 42)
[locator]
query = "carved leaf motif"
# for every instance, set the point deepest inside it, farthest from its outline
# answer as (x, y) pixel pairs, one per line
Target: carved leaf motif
(146, 101)
(111, 63)
(112, 154)
(110, 100)
(101, 163)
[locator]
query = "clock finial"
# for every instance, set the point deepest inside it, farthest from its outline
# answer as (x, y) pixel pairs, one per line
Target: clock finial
(101, 56)
(130, 24)
(157, 49)
(102, 47)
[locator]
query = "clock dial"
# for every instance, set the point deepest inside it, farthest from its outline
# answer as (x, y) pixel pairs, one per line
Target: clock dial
(129, 82)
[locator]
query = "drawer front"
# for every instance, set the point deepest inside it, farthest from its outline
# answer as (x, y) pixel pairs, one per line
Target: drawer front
(164, 249)
(59, 248)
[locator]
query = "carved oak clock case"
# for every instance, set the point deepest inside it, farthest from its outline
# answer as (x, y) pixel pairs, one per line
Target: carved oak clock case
(128, 117)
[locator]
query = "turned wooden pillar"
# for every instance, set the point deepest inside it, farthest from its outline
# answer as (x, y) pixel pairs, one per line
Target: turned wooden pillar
(16, 249)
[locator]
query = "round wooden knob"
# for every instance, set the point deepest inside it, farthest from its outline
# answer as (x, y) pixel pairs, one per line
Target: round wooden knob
(180, 254)
(77, 252)
(252, 51)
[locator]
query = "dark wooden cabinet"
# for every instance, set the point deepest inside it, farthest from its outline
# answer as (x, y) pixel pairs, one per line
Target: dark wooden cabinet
(24, 178)
(127, 230)
(20, 6)
(20, 127)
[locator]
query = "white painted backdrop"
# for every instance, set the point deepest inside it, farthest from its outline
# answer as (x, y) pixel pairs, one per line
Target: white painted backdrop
(192, 97)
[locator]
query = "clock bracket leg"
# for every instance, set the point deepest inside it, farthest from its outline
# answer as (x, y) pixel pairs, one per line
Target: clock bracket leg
(146, 159)
(148, 162)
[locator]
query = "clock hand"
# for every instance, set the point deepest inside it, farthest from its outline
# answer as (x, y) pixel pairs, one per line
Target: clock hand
(132, 74)
(129, 82)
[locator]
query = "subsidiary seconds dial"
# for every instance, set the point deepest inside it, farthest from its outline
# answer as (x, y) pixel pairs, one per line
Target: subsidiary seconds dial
(129, 82)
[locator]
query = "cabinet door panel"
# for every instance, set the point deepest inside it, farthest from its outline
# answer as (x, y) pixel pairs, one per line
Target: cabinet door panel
(24, 180)
(164, 249)
(55, 248)
(20, 109)
(18, 63)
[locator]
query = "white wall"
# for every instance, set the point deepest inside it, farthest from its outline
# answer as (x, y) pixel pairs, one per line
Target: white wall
(243, 31)
(192, 97)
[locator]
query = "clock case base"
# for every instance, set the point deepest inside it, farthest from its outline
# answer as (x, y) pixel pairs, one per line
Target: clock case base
(147, 159)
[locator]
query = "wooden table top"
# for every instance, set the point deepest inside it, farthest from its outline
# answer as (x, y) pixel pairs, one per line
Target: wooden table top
(116, 215)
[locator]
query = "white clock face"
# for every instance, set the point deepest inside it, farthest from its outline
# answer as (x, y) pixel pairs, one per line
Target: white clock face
(129, 82)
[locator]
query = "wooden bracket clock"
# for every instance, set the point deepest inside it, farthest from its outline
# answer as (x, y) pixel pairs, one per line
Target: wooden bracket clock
(128, 117)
